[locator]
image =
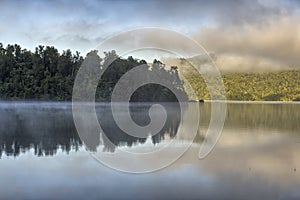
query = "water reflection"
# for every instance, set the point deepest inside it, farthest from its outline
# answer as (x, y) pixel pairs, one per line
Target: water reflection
(47, 128)
(44, 128)
(268, 116)
(257, 157)
(139, 113)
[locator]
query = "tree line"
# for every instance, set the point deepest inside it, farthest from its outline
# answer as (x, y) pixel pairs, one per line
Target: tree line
(252, 86)
(46, 74)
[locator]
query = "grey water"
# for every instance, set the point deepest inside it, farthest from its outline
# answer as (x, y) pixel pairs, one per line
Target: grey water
(256, 157)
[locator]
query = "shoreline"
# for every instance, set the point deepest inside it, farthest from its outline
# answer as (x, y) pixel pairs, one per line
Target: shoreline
(147, 102)
(252, 102)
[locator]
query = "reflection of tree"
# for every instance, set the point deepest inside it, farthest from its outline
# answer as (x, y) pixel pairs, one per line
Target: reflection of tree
(47, 130)
(282, 117)
(114, 136)
(172, 123)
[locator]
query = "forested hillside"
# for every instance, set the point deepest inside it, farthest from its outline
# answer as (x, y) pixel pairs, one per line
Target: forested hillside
(45, 74)
(48, 75)
(254, 86)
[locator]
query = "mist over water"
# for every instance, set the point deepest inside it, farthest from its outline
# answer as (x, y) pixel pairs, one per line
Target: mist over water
(256, 156)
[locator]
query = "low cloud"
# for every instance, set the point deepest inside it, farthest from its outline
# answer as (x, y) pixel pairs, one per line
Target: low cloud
(272, 45)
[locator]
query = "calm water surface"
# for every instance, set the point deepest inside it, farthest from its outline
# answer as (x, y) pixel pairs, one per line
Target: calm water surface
(257, 156)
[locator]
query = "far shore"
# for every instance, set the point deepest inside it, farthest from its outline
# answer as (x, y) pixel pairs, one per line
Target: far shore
(148, 102)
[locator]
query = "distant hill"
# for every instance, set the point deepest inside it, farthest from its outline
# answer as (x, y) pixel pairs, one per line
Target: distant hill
(246, 85)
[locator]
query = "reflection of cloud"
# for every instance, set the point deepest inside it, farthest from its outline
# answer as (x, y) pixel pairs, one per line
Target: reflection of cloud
(269, 156)
(255, 166)
(250, 165)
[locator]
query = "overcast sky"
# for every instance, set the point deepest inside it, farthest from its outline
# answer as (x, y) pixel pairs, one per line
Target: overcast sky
(260, 32)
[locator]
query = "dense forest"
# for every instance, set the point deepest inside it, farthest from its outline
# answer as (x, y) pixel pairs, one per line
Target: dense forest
(43, 75)
(252, 86)
(146, 93)
(48, 75)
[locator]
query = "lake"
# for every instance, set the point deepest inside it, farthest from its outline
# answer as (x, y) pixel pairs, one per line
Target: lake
(256, 156)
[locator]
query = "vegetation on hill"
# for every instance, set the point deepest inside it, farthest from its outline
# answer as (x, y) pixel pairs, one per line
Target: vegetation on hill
(252, 86)
(45, 74)
(48, 75)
